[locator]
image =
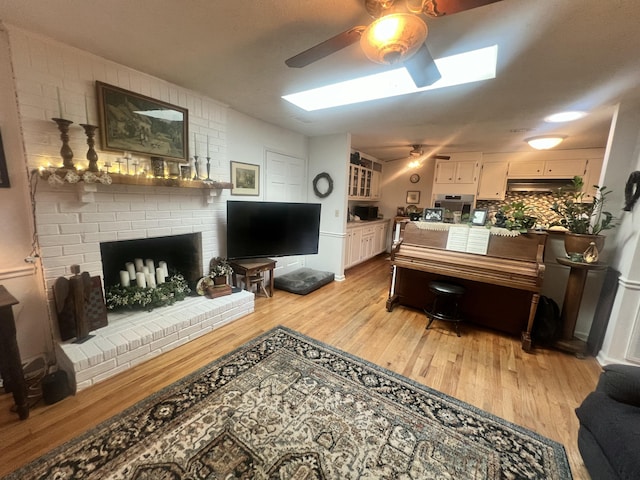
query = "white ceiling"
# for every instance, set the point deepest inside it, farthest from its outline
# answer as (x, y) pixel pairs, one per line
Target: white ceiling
(553, 55)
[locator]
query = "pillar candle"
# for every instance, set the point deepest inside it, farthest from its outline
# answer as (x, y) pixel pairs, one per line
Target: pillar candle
(59, 103)
(150, 265)
(138, 263)
(140, 280)
(131, 269)
(145, 270)
(159, 275)
(163, 265)
(125, 280)
(150, 279)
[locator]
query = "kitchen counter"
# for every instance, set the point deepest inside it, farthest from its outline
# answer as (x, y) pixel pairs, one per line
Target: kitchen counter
(359, 223)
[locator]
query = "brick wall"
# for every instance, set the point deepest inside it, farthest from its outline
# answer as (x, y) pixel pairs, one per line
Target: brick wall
(72, 220)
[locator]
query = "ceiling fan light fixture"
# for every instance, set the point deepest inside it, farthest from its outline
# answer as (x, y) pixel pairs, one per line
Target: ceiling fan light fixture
(416, 151)
(393, 38)
(545, 142)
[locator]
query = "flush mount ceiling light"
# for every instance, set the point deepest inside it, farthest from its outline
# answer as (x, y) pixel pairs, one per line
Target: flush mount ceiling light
(393, 38)
(565, 116)
(545, 142)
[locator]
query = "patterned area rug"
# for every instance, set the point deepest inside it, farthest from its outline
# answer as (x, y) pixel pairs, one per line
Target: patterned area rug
(284, 406)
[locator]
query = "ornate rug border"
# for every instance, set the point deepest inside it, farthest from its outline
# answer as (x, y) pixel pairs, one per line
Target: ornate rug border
(557, 448)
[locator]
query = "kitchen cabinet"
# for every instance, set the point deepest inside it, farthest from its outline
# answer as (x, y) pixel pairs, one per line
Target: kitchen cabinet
(364, 179)
(365, 240)
(463, 171)
(376, 181)
(492, 184)
(556, 168)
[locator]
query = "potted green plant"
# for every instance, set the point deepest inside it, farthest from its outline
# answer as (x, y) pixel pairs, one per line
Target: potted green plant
(219, 269)
(515, 216)
(583, 219)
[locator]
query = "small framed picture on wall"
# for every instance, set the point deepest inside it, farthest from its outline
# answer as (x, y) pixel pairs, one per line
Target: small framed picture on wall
(413, 196)
(245, 178)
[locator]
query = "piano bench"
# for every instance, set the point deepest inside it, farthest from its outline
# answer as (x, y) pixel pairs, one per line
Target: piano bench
(446, 303)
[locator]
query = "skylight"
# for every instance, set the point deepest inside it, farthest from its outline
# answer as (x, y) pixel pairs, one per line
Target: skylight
(468, 67)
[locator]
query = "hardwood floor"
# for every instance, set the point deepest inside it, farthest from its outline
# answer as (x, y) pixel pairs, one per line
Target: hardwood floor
(487, 369)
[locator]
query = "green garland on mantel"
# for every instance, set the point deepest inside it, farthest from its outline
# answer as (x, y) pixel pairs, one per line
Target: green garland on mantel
(118, 297)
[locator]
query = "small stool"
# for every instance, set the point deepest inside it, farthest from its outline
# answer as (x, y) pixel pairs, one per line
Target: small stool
(258, 281)
(446, 303)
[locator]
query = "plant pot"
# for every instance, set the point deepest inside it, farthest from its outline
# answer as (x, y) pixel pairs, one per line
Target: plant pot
(222, 280)
(578, 242)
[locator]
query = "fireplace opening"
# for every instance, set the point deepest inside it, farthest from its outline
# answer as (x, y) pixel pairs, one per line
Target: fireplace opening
(182, 254)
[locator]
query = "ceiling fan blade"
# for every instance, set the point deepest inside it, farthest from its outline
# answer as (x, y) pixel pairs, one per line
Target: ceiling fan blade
(321, 50)
(422, 68)
(437, 8)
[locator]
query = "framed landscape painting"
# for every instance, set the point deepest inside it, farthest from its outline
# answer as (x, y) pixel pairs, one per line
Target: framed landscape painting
(130, 122)
(245, 179)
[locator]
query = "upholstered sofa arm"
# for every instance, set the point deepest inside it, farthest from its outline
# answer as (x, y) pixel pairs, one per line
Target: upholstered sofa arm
(621, 382)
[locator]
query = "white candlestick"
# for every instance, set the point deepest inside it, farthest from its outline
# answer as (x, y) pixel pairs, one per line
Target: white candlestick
(59, 103)
(397, 233)
(86, 109)
(131, 269)
(195, 144)
(150, 265)
(140, 280)
(163, 265)
(160, 275)
(125, 279)
(208, 146)
(138, 263)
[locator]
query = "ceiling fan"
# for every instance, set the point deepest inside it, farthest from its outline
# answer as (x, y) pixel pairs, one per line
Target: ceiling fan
(397, 35)
(417, 153)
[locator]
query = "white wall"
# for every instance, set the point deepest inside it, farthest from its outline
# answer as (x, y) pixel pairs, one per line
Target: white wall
(248, 140)
(21, 279)
(330, 154)
(622, 340)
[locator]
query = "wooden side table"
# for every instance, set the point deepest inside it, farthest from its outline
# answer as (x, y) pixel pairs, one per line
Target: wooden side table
(571, 304)
(10, 362)
(252, 267)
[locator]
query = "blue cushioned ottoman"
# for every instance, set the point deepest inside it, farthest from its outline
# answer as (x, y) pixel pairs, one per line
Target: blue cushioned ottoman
(303, 280)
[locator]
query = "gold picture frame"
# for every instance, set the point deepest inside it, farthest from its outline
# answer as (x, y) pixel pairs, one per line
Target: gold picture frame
(131, 122)
(413, 196)
(245, 178)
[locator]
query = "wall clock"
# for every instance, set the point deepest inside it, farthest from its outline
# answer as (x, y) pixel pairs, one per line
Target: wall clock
(415, 178)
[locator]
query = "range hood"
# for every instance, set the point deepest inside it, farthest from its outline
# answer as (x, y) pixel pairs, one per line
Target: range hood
(539, 184)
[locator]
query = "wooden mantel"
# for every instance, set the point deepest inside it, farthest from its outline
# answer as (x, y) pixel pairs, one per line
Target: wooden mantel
(120, 179)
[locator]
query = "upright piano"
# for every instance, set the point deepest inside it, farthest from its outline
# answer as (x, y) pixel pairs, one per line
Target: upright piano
(502, 288)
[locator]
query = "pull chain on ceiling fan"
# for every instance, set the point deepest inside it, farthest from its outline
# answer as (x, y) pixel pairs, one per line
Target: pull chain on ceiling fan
(397, 35)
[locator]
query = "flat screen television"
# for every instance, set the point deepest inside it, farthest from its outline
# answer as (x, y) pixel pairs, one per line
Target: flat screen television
(272, 229)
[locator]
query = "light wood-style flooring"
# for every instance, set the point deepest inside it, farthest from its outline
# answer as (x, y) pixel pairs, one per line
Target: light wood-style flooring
(487, 369)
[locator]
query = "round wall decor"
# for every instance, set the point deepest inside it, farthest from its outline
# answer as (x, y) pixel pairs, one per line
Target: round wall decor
(326, 189)
(415, 178)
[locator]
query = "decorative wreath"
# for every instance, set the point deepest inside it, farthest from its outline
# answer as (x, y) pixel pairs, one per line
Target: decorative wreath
(632, 191)
(329, 180)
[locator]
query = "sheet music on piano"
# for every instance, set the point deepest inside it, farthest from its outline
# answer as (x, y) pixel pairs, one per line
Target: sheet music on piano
(463, 238)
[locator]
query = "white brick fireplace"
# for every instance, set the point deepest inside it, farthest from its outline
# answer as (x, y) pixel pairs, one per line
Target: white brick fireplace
(71, 225)
(57, 80)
